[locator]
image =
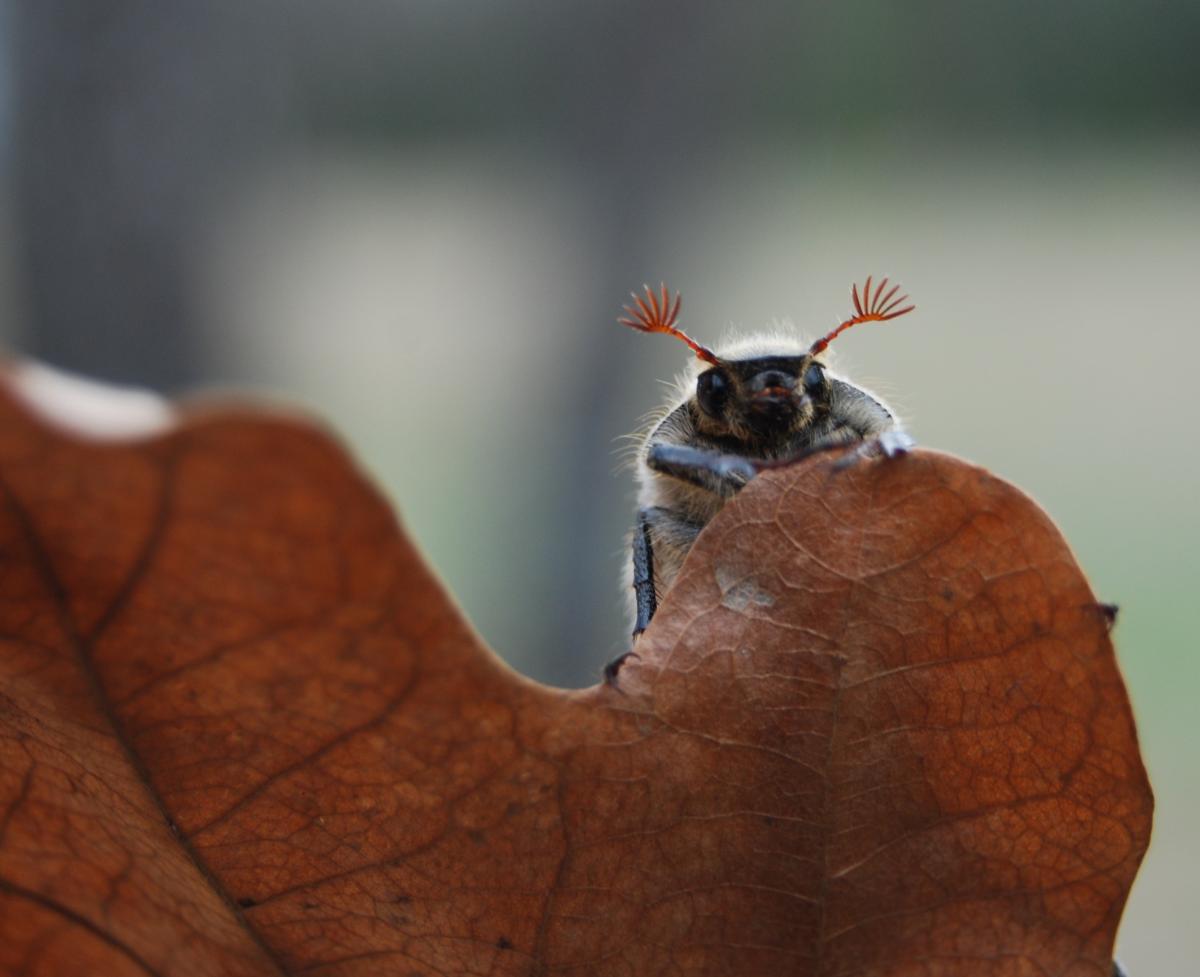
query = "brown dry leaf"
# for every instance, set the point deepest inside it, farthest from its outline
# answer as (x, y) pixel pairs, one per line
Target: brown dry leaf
(876, 729)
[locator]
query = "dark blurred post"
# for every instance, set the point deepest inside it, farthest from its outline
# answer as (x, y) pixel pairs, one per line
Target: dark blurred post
(132, 118)
(642, 79)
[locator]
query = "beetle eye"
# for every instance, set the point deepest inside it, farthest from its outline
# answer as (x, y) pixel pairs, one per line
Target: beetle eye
(712, 390)
(814, 378)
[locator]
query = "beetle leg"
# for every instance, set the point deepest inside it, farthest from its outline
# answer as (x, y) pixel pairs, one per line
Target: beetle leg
(721, 474)
(643, 573)
(643, 588)
(614, 666)
(887, 444)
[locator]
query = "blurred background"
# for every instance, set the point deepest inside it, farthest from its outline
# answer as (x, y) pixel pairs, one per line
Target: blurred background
(419, 219)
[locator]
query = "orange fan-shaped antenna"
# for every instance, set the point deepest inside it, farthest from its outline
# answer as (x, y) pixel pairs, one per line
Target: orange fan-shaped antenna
(873, 308)
(657, 313)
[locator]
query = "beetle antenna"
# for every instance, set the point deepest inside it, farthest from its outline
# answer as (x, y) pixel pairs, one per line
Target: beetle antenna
(872, 308)
(657, 313)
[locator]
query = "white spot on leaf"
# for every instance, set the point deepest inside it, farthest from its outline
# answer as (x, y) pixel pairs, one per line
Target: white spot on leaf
(88, 408)
(738, 592)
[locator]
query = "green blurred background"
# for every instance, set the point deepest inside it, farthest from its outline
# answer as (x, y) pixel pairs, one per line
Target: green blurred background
(419, 219)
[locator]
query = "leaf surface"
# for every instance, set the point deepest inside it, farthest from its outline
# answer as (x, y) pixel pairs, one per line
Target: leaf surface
(877, 728)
